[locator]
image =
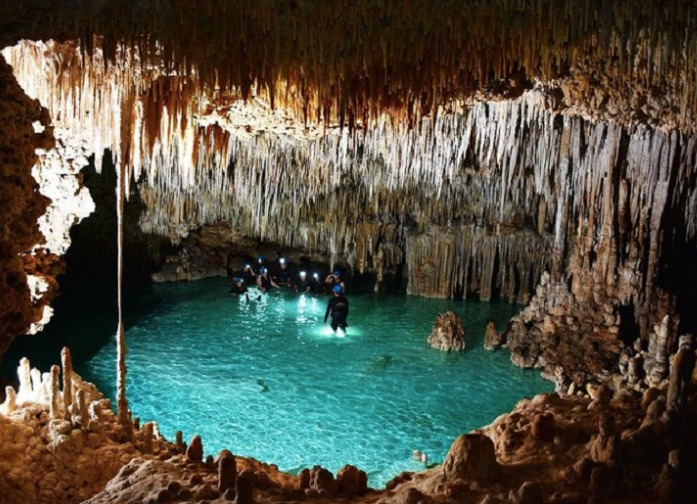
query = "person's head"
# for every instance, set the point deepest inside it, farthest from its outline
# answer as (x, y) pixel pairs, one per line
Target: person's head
(239, 280)
(264, 271)
(338, 290)
(337, 273)
(260, 259)
(282, 262)
(315, 276)
(303, 275)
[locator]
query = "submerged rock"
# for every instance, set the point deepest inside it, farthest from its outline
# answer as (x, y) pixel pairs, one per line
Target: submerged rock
(447, 333)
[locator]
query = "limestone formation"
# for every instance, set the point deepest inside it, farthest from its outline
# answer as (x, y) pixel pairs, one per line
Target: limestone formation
(227, 471)
(550, 448)
(471, 457)
(25, 126)
(605, 446)
(244, 488)
(67, 364)
(351, 481)
(541, 151)
(195, 449)
(322, 479)
(492, 338)
(680, 378)
(448, 333)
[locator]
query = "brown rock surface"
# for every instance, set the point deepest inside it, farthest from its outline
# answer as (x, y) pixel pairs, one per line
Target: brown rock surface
(447, 333)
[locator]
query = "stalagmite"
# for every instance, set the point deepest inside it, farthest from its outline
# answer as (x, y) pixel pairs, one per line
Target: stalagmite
(55, 398)
(81, 414)
(147, 434)
(10, 403)
(25, 392)
(67, 381)
(195, 449)
(227, 471)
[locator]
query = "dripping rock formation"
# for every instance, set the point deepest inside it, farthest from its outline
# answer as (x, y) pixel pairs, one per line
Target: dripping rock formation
(447, 333)
(542, 151)
(628, 447)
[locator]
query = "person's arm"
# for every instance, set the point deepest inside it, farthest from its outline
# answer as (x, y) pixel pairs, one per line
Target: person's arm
(329, 309)
(273, 284)
(261, 287)
(329, 279)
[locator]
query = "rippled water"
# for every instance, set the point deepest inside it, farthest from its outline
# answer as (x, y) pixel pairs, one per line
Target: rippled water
(266, 379)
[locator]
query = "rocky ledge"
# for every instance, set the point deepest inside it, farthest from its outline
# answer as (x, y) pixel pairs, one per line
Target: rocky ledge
(609, 446)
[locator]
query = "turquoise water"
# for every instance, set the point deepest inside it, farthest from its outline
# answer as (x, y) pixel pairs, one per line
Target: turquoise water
(267, 380)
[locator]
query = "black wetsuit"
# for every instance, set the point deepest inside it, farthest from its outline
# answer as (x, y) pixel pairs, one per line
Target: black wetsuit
(282, 276)
(316, 287)
(238, 289)
(303, 286)
(338, 308)
(264, 282)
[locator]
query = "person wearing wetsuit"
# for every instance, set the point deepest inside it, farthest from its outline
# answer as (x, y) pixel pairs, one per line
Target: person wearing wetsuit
(264, 281)
(333, 280)
(282, 274)
(302, 286)
(338, 308)
(239, 288)
(316, 287)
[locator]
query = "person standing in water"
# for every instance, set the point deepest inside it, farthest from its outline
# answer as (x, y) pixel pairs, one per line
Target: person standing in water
(264, 281)
(282, 275)
(302, 286)
(338, 308)
(239, 288)
(333, 280)
(316, 285)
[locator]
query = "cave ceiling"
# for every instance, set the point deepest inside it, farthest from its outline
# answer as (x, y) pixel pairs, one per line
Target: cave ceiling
(512, 136)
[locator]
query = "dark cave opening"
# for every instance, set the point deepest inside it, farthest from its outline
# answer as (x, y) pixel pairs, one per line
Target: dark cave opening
(89, 284)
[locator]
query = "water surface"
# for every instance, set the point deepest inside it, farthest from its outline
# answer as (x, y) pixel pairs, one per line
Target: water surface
(267, 379)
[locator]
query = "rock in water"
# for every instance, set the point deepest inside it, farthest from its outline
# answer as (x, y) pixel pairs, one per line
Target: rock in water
(447, 333)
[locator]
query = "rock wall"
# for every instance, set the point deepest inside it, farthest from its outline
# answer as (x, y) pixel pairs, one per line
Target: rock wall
(63, 444)
(481, 198)
(24, 128)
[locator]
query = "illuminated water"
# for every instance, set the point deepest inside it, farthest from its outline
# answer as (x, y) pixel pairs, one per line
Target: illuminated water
(267, 380)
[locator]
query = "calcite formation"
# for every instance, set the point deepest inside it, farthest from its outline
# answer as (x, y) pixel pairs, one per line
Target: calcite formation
(539, 150)
(623, 447)
(562, 158)
(448, 333)
(24, 128)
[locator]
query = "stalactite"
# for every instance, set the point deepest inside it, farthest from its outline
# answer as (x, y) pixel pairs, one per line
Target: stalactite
(123, 414)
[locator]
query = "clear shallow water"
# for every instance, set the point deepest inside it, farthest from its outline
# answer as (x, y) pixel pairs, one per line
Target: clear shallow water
(266, 379)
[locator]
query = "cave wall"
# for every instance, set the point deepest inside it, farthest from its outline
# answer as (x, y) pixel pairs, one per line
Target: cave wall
(24, 128)
(575, 157)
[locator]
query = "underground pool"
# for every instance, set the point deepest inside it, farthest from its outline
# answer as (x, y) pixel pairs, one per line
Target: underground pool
(267, 379)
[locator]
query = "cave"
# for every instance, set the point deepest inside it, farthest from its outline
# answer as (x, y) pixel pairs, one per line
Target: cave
(542, 152)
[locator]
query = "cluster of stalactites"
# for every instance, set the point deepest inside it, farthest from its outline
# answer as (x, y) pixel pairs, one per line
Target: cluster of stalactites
(351, 61)
(497, 166)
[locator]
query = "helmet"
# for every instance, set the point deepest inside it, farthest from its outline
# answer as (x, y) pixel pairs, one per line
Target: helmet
(316, 275)
(260, 259)
(264, 271)
(282, 260)
(239, 279)
(338, 289)
(302, 274)
(337, 273)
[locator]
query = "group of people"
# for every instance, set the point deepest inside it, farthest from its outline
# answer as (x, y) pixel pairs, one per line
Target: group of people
(333, 284)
